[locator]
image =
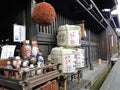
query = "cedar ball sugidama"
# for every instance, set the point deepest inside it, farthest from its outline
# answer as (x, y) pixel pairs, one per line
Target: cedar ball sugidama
(43, 14)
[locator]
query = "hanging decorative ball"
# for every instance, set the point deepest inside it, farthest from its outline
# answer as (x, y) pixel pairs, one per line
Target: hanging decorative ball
(43, 13)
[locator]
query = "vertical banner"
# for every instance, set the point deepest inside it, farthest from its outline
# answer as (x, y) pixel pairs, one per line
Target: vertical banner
(19, 33)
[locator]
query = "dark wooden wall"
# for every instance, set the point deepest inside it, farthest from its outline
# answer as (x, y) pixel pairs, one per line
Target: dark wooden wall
(114, 48)
(103, 45)
(46, 35)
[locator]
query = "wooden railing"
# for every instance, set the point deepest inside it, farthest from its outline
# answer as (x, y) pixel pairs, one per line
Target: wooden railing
(24, 82)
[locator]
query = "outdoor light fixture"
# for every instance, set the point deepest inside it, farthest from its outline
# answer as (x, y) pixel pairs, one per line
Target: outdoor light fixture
(43, 14)
(90, 7)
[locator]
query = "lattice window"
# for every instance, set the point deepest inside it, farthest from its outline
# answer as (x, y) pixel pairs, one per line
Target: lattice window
(51, 29)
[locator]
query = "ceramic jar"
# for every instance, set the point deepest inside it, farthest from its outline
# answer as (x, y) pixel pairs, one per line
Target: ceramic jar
(17, 65)
(32, 73)
(26, 49)
(8, 66)
(32, 60)
(35, 48)
(17, 62)
(25, 67)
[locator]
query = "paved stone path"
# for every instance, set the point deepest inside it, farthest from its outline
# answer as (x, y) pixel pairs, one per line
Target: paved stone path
(112, 82)
(88, 76)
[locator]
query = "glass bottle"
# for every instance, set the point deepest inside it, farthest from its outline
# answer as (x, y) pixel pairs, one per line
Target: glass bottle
(40, 62)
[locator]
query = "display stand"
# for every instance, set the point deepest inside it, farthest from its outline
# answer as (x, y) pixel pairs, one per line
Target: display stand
(65, 76)
(27, 83)
(78, 76)
(65, 82)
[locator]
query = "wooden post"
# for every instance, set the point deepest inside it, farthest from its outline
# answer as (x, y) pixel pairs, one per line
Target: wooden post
(65, 82)
(78, 76)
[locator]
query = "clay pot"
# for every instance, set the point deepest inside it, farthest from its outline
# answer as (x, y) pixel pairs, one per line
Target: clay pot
(8, 66)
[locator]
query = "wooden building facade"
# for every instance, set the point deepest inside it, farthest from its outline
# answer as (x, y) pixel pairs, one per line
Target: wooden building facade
(101, 40)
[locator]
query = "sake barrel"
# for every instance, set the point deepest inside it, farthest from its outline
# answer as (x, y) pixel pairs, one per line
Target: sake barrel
(80, 58)
(64, 56)
(68, 36)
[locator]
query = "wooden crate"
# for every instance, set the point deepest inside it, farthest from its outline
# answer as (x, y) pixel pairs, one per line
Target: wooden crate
(50, 85)
(82, 30)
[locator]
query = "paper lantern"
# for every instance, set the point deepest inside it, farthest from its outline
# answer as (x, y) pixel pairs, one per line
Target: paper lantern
(43, 14)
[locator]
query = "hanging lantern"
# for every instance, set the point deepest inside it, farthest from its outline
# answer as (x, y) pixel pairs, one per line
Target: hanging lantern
(43, 14)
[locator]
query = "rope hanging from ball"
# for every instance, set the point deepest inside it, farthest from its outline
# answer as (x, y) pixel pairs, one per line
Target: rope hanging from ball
(43, 14)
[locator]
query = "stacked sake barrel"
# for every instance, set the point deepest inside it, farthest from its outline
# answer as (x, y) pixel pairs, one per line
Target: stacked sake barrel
(68, 51)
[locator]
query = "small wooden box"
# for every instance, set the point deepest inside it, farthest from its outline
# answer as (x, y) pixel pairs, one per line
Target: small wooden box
(82, 30)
